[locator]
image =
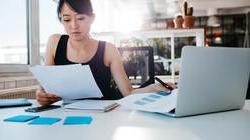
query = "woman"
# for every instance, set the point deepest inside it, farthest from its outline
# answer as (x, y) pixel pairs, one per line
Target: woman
(77, 47)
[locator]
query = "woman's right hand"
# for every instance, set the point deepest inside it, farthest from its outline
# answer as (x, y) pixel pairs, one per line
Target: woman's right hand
(44, 98)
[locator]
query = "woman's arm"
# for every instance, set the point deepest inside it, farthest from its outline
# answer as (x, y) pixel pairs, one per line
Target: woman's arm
(42, 97)
(116, 66)
(51, 49)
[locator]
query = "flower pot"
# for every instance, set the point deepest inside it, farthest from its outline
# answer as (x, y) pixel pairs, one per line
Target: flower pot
(178, 21)
(188, 21)
(170, 24)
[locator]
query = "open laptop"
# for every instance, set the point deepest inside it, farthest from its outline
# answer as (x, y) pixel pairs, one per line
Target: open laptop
(212, 79)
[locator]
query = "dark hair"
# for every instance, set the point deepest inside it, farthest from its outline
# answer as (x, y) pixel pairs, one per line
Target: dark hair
(79, 6)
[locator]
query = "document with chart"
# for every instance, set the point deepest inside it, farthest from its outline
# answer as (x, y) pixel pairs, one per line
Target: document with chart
(159, 102)
(67, 81)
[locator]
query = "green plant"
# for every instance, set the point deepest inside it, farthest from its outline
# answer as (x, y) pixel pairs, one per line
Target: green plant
(187, 11)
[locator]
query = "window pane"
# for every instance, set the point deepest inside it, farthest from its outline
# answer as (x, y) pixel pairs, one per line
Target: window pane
(13, 32)
(49, 24)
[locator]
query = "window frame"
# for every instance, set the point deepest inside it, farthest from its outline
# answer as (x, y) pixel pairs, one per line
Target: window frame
(33, 40)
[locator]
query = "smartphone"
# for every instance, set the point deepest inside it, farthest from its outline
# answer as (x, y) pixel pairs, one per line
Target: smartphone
(42, 108)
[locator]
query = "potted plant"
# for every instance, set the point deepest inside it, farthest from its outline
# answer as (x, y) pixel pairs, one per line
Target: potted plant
(188, 17)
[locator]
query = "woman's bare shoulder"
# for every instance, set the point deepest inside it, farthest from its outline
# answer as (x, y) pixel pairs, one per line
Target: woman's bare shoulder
(54, 38)
(52, 44)
(111, 48)
(111, 53)
(53, 41)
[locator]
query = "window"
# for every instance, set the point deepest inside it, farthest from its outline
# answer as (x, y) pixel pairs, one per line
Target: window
(49, 24)
(13, 35)
(19, 36)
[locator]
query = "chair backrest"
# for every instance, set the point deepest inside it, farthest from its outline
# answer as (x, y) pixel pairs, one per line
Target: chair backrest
(139, 64)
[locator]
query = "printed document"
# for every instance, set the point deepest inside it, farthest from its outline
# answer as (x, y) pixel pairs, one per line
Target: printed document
(159, 102)
(67, 81)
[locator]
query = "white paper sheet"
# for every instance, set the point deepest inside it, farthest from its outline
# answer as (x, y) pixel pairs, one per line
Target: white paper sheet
(67, 81)
(151, 102)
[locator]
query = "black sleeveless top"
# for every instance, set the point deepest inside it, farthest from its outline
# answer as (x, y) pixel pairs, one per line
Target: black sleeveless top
(101, 73)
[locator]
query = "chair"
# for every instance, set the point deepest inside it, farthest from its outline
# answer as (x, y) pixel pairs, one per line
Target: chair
(139, 65)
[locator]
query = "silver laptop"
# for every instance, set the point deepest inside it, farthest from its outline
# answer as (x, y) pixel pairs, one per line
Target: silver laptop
(212, 79)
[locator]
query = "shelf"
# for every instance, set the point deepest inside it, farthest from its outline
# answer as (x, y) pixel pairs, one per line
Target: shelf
(198, 33)
(231, 30)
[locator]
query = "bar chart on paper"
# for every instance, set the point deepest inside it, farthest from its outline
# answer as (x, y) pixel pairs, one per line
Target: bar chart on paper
(160, 102)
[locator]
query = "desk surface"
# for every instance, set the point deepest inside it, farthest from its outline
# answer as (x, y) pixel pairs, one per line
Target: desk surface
(124, 124)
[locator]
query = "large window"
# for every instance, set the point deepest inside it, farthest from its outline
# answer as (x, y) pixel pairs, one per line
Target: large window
(13, 32)
(19, 35)
(49, 24)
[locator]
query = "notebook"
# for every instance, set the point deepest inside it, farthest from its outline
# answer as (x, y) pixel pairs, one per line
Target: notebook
(98, 105)
(14, 102)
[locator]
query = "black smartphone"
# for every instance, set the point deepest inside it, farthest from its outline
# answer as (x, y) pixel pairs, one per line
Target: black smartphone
(42, 108)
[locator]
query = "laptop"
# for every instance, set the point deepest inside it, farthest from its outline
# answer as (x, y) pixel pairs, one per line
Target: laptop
(212, 79)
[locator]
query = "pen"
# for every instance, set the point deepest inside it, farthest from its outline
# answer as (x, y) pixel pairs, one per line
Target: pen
(163, 84)
(111, 107)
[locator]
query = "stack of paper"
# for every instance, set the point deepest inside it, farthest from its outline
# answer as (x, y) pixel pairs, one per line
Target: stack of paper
(98, 105)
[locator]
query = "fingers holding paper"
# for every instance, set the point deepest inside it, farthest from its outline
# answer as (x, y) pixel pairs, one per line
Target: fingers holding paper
(45, 98)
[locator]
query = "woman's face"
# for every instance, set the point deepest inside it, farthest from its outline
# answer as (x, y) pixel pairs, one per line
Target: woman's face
(76, 25)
